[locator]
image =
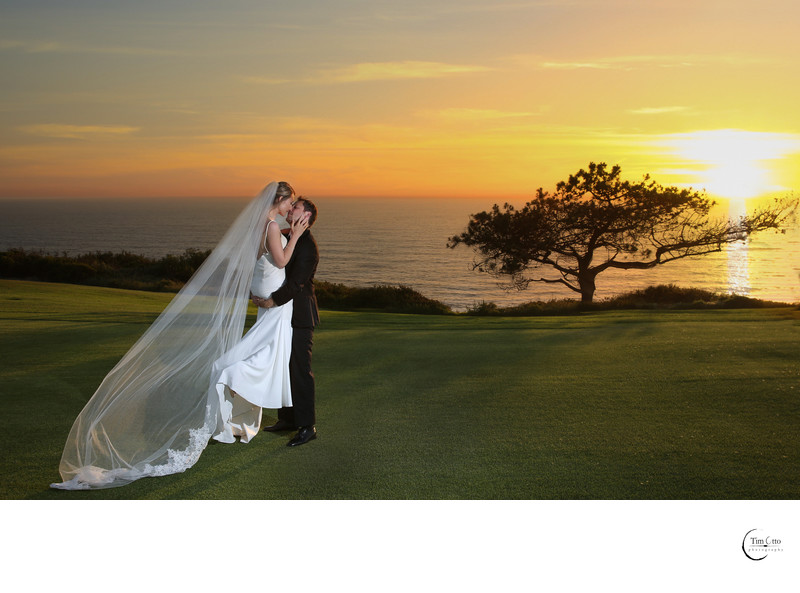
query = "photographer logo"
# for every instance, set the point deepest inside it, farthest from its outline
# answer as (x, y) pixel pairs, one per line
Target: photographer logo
(758, 544)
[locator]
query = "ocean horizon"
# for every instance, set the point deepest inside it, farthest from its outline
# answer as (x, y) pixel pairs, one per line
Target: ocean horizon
(368, 242)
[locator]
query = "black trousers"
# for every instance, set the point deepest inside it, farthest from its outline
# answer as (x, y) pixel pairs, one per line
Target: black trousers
(302, 412)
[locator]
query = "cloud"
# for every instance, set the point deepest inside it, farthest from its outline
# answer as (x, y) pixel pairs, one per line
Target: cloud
(460, 113)
(576, 66)
(731, 145)
(41, 47)
(644, 61)
(618, 63)
(372, 71)
(267, 80)
(658, 110)
(73, 132)
(28, 46)
(398, 70)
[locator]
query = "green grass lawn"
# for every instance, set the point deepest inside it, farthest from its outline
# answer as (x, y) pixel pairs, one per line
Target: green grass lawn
(605, 405)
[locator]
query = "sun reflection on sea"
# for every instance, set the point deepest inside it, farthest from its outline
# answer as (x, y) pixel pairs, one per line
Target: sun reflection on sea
(738, 256)
(738, 268)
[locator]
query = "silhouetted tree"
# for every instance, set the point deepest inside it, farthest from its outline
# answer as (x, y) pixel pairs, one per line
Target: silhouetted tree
(596, 221)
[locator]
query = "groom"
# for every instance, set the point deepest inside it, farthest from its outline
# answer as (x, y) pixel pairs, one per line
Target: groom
(299, 286)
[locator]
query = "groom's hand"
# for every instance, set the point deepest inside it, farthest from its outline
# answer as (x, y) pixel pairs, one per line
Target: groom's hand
(262, 302)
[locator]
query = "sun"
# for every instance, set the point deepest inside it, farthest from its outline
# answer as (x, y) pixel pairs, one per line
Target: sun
(737, 180)
(736, 164)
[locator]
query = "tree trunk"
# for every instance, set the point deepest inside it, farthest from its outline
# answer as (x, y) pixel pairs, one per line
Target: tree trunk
(587, 286)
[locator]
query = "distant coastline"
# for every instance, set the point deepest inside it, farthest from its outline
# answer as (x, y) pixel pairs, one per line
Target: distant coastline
(168, 274)
(369, 243)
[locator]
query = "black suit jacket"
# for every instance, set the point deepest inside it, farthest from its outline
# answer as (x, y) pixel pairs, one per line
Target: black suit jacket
(299, 284)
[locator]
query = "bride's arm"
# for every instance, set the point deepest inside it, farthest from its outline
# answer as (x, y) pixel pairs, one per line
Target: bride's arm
(281, 255)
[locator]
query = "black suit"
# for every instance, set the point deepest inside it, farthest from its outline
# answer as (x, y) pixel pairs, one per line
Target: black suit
(299, 288)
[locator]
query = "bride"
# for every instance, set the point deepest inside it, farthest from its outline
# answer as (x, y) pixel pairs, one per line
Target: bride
(192, 376)
(254, 374)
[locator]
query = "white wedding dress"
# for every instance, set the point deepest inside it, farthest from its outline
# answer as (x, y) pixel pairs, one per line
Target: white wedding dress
(254, 374)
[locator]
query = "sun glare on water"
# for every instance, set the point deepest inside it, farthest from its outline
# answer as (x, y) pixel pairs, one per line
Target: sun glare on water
(735, 165)
(738, 164)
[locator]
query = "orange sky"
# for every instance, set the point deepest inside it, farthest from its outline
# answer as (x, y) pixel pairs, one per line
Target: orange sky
(373, 98)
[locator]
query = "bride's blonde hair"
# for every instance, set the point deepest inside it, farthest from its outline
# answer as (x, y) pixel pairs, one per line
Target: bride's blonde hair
(284, 192)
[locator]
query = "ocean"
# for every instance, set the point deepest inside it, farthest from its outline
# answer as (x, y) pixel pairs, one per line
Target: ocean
(365, 242)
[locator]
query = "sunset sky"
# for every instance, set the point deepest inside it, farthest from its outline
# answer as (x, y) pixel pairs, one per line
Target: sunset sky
(395, 98)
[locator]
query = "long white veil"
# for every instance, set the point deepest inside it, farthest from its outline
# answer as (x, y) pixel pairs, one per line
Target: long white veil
(155, 411)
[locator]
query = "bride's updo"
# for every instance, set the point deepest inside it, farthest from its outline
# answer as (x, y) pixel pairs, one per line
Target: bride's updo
(284, 192)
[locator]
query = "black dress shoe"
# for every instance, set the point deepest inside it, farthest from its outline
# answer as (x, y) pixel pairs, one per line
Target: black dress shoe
(279, 426)
(305, 434)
